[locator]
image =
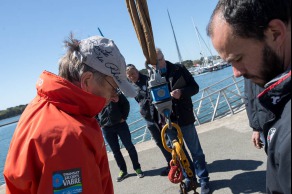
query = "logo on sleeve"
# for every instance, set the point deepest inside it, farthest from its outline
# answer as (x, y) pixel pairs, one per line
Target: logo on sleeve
(144, 88)
(276, 99)
(271, 134)
(40, 82)
(67, 182)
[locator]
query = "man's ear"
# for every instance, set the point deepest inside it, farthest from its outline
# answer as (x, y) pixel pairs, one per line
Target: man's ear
(85, 80)
(276, 33)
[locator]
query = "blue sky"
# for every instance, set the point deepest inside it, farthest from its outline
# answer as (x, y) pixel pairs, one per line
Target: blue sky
(32, 34)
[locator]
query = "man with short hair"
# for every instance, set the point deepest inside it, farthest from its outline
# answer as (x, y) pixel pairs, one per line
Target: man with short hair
(58, 146)
(148, 111)
(256, 113)
(182, 87)
(114, 126)
(255, 37)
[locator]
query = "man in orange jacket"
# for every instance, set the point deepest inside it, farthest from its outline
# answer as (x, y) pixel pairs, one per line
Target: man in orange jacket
(58, 146)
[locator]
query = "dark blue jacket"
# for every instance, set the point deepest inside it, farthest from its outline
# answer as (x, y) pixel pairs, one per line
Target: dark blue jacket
(257, 114)
(277, 130)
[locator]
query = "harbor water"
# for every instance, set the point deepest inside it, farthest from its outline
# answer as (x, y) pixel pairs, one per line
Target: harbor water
(6, 132)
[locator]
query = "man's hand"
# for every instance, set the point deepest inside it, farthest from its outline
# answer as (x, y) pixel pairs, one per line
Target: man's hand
(257, 140)
(176, 94)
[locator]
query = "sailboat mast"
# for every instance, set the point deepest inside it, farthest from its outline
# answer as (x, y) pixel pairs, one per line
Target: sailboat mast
(205, 44)
(199, 36)
(100, 32)
(177, 48)
(196, 30)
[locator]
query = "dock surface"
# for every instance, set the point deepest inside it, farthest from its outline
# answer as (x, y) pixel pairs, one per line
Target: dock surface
(234, 164)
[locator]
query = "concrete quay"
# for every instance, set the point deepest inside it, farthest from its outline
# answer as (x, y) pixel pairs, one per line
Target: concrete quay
(234, 164)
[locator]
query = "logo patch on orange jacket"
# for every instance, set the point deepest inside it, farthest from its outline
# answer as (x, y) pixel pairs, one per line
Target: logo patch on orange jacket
(67, 181)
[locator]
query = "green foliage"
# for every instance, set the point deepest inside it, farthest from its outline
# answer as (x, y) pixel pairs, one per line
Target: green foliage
(197, 62)
(12, 112)
(188, 63)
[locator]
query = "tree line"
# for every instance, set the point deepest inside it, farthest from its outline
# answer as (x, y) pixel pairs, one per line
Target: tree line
(12, 112)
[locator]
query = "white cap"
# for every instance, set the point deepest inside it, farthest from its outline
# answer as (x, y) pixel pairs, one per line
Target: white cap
(104, 56)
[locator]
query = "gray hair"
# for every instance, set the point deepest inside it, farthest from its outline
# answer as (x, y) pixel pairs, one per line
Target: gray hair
(71, 68)
(158, 50)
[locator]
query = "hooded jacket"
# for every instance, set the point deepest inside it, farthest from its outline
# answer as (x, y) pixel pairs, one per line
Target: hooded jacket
(277, 130)
(58, 146)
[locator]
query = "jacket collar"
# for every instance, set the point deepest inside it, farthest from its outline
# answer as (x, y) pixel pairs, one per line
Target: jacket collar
(277, 93)
(68, 97)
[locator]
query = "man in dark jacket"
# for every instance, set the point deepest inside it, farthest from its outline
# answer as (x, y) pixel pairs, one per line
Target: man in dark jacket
(149, 113)
(113, 122)
(183, 86)
(147, 110)
(255, 37)
(256, 113)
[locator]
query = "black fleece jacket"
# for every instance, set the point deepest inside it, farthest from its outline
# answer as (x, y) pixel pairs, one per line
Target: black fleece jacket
(182, 109)
(113, 113)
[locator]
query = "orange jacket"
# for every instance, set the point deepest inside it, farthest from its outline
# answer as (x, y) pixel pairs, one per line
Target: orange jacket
(58, 146)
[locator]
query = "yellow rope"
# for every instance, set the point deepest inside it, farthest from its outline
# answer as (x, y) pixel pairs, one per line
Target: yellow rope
(139, 14)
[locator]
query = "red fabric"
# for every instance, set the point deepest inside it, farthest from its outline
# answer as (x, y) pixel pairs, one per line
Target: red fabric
(57, 132)
(274, 85)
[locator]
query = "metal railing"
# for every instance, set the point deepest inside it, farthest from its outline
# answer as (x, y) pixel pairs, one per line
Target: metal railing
(218, 100)
(221, 99)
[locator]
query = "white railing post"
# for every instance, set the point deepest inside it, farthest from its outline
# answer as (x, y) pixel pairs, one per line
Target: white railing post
(197, 118)
(200, 104)
(228, 103)
(238, 90)
(216, 106)
(144, 135)
(210, 98)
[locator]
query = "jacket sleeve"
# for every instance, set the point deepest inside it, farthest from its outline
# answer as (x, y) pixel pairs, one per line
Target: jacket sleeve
(20, 179)
(42, 162)
(191, 87)
(124, 106)
(250, 104)
(284, 167)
